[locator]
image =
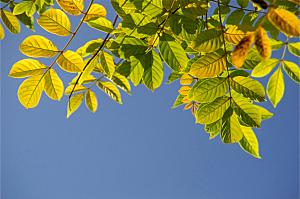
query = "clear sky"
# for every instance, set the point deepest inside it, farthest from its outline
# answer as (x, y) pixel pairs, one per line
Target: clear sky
(139, 150)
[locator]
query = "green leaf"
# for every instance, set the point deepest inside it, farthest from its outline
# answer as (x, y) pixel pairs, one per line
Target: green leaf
(10, 21)
(207, 41)
(292, 70)
(26, 6)
(209, 65)
(121, 82)
(264, 67)
(91, 101)
(107, 62)
(173, 54)
(74, 103)
(249, 142)
(213, 111)
(89, 47)
(137, 69)
(231, 131)
(178, 101)
(111, 90)
(294, 48)
(253, 58)
(275, 87)
(248, 87)
(101, 24)
(207, 90)
(173, 76)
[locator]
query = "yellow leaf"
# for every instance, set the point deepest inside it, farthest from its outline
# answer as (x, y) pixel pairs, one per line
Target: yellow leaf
(233, 35)
(107, 62)
(30, 91)
(26, 68)
(56, 22)
(91, 101)
(241, 50)
(249, 142)
(89, 67)
(275, 87)
(73, 7)
(71, 62)
(77, 88)
(95, 11)
(111, 90)
(262, 43)
(184, 90)
(186, 79)
(38, 46)
(188, 106)
(54, 87)
(10, 21)
(285, 21)
(74, 103)
(2, 33)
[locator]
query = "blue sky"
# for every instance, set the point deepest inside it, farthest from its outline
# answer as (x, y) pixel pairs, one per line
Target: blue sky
(139, 150)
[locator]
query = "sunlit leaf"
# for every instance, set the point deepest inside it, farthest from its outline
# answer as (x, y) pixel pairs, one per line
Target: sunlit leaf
(95, 11)
(249, 142)
(73, 7)
(264, 67)
(292, 70)
(74, 103)
(294, 48)
(26, 68)
(10, 21)
(111, 90)
(91, 100)
(275, 87)
(54, 87)
(70, 61)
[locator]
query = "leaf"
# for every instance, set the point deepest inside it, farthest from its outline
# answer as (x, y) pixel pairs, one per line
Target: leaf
(26, 68)
(285, 21)
(231, 131)
(276, 44)
(294, 48)
(30, 91)
(107, 62)
(241, 50)
(209, 65)
(137, 69)
(78, 88)
(95, 11)
(248, 88)
(234, 35)
(73, 7)
(90, 65)
(214, 127)
(213, 111)
(207, 90)
(207, 41)
(70, 61)
(184, 90)
(265, 114)
(264, 67)
(186, 79)
(89, 47)
(10, 21)
(173, 54)
(38, 46)
(275, 87)
(2, 33)
(252, 59)
(121, 82)
(74, 103)
(249, 142)
(91, 101)
(292, 70)
(54, 87)
(56, 22)
(262, 43)
(111, 90)
(178, 101)
(101, 24)
(26, 6)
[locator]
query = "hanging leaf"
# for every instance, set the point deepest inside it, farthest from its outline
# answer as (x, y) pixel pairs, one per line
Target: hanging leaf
(73, 7)
(107, 62)
(95, 11)
(249, 142)
(209, 65)
(275, 87)
(2, 33)
(89, 67)
(26, 68)
(207, 90)
(30, 91)
(137, 69)
(111, 90)
(89, 47)
(71, 88)
(234, 35)
(38, 46)
(292, 70)
(70, 61)
(285, 21)
(178, 101)
(186, 79)
(101, 24)
(264, 67)
(121, 82)
(10, 21)
(56, 22)
(207, 41)
(262, 43)
(74, 102)
(54, 87)
(213, 111)
(294, 48)
(91, 101)
(231, 131)
(241, 50)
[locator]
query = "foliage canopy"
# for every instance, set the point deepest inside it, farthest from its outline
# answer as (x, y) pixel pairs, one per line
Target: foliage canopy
(217, 50)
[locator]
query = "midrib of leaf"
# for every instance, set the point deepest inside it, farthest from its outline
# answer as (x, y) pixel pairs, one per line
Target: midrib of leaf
(58, 23)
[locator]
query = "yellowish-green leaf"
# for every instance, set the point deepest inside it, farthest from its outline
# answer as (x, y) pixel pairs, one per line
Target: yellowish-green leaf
(91, 101)
(10, 21)
(78, 88)
(264, 67)
(54, 87)
(209, 65)
(136, 70)
(38, 46)
(74, 103)
(95, 11)
(234, 35)
(249, 142)
(101, 24)
(2, 33)
(231, 131)
(265, 113)
(26, 68)
(89, 47)
(292, 70)
(30, 91)
(210, 112)
(107, 62)
(294, 48)
(275, 87)
(26, 6)
(89, 78)
(122, 82)
(71, 62)
(207, 41)
(73, 7)
(89, 67)
(56, 22)
(111, 90)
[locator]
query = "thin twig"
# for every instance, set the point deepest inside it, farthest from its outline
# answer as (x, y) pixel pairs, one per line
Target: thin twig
(236, 7)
